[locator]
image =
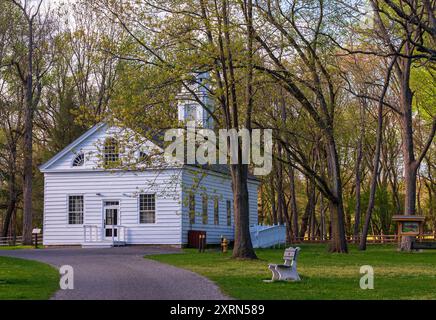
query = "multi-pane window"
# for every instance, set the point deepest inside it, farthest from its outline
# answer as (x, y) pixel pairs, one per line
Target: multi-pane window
(192, 208)
(79, 160)
(204, 212)
(229, 213)
(216, 211)
(147, 208)
(75, 209)
(111, 151)
(190, 112)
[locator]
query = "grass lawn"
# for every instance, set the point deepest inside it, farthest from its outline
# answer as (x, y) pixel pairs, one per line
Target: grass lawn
(19, 247)
(324, 276)
(25, 279)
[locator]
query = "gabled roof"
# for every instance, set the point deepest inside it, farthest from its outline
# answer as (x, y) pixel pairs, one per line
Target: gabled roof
(72, 145)
(157, 139)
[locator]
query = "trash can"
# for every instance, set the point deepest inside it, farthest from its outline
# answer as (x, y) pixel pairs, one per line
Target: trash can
(194, 238)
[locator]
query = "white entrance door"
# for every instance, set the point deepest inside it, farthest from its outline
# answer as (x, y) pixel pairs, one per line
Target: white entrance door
(111, 211)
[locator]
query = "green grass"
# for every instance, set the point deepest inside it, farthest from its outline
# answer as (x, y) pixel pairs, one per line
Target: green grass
(397, 275)
(19, 247)
(25, 279)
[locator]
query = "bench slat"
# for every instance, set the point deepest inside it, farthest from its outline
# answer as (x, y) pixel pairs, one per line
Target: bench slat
(289, 254)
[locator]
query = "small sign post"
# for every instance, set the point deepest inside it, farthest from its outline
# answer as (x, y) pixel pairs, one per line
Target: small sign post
(409, 228)
(35, 232)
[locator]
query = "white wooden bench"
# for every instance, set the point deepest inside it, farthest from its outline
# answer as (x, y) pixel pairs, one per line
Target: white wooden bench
(287, 270)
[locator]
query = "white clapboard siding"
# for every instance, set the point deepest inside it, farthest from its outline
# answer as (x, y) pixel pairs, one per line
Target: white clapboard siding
(121, 186)
(213, 184)
(96, 185)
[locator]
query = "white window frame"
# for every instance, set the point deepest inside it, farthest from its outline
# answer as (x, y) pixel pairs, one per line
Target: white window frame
(139, 208)
(68, 209)
(117, 148)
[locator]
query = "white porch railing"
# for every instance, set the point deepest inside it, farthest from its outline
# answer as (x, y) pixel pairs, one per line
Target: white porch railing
(94, 233)
(121, 234)
(267, 236)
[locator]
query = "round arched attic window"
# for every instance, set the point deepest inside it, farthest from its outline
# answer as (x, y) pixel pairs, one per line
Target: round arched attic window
(79, 160)
(142, 155)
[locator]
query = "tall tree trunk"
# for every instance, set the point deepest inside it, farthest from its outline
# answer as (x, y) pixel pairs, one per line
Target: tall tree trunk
(313, 224)
(280, 195)
(338, 241)
(358, 173)
(374, 178)
(310, 207)
(410, 168)
(411, 164)
(418, 195)
(273, 200)
(28, 145)
(376, 160)
(12, 187)
(243, 248)
(393, 180)
(288, 224)
(293, 203)
(323, 230)
(32, 83)
(357, 213)
(284, 216)
(304, 222)
(292, 218)
(12, 202)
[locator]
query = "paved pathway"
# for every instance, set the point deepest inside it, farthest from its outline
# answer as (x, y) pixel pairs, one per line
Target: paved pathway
(123, 273)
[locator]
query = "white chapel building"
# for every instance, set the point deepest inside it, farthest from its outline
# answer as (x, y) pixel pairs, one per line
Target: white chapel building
(87, 204)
